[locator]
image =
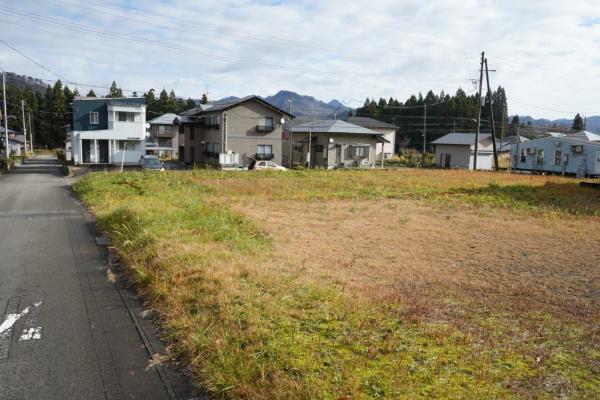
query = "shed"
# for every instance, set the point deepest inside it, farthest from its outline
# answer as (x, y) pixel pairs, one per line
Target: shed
(457, 150)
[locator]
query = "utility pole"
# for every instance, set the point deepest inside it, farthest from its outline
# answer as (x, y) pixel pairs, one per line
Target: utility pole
(425, 129)
(478, 112)
(487, 78)
(584, 122)
(30, 132)
(24, 126)
(309, 145)
(6, 150)
(225, 132)
(291, 136)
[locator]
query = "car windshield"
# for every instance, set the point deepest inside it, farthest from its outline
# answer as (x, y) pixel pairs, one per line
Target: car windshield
(152, 161)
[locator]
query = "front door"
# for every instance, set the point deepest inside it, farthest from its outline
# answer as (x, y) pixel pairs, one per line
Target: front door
(85, 151)
(447, 161)
(181, 153)
(103, 151)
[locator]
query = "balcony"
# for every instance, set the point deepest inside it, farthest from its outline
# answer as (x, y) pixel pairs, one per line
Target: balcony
(265, 128)
(264, 156)
(168, 133)
(212, 125)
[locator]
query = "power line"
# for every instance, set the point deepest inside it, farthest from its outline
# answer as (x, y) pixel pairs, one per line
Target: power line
(174, 47)
(207, 27)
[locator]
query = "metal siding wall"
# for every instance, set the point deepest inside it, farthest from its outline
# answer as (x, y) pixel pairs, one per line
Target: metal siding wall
(585, 160)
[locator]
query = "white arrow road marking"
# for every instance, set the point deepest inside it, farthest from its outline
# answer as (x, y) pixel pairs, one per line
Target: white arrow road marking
(11, 319)
(30, 329)
(31, 334)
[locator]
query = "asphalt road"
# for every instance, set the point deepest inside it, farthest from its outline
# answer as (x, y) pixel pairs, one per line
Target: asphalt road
(66, 331)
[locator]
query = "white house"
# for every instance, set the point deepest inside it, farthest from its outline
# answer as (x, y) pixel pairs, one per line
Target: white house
(108, 130)
(457, 150)
(387, 130)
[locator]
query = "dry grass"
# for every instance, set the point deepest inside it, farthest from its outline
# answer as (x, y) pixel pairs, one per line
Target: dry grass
(367, 284)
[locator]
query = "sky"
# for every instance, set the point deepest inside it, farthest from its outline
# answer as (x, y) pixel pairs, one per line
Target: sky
(546, 54)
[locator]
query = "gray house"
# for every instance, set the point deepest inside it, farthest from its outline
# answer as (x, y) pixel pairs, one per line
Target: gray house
(457, 150)
(164, 137)
(335, 144)
(571, 154)
(232, 133)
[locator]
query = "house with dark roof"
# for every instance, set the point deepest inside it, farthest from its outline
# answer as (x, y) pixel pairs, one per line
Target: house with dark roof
(233, 132)
(163, 140)
(387, 130)
(457, 150)
(108, 130)
(332, 144)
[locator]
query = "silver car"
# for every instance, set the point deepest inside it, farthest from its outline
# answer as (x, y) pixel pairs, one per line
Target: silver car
(151, 163)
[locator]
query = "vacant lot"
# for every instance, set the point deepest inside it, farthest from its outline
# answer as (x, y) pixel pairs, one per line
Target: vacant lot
(366, 284)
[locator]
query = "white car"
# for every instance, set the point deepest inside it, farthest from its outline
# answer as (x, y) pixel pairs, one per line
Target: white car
(259, 165)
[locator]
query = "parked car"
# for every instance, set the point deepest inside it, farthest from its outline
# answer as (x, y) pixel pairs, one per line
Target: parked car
(151, 163)
(257, 165)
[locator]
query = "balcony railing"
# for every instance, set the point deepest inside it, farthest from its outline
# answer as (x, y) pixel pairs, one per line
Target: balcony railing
(171, 133)
(212, 125)
(264, 156)
(265, 128)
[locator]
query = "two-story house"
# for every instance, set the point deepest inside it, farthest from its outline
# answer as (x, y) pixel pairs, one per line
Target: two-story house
(232, 133)
(164, 137)
(108, 130)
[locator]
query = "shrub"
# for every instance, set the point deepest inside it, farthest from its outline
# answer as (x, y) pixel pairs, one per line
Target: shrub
(412, 159)
(6, 164)
(60, 155)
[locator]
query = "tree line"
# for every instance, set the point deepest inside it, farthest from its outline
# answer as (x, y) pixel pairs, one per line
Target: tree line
(51, 112)
(443, 113)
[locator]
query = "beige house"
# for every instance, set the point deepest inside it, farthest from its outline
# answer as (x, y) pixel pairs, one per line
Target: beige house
(387, 130)
(164, 137)
(457, 150)
(232, 133)
(332, 144)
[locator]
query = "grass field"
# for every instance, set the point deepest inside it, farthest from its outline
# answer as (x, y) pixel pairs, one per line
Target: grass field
(366, 284)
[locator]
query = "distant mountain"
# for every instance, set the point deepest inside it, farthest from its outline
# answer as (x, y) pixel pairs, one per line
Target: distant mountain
(307, 106)
(592, 125)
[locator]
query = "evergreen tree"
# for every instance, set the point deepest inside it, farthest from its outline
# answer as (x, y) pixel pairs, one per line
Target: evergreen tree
(204, 99)
(190, 104)
(114, 91)
(577, 123)
(91, 93)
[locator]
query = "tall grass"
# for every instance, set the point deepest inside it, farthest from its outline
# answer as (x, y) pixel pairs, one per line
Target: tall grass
(250, 329)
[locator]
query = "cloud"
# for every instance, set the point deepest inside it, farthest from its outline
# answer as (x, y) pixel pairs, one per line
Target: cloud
(543, 51)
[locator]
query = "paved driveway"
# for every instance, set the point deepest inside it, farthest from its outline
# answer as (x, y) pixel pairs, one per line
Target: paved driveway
(65, 329)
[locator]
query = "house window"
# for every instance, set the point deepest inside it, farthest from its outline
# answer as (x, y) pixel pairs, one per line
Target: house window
(126, 116)
(191, 133)
(213, 120)
(264, 149)
(94, 117)
(557, 157)
(540, 157)
(267, 122)
(359, 151)
(523, 156)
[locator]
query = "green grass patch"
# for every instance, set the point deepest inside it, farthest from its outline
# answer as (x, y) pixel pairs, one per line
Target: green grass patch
(255, 333)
